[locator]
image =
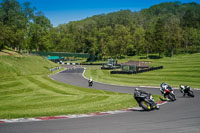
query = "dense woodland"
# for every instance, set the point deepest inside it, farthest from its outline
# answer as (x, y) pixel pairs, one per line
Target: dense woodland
(164, 29)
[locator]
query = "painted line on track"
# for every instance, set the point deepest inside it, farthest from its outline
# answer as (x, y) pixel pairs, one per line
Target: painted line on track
(74, 116)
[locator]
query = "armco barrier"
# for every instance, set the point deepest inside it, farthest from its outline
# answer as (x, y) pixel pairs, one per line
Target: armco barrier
(135, 72)
(71, 63)
(53, 69)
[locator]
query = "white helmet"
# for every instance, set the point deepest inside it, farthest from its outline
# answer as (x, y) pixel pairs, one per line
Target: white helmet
(136, 89)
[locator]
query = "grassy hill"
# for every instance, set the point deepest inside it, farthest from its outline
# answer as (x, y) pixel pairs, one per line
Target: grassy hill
(180, 69)
(27, 91)
(12, 66)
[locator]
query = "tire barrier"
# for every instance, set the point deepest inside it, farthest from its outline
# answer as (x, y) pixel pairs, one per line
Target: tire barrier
(72, 63)
(106, 68)
(136, 72)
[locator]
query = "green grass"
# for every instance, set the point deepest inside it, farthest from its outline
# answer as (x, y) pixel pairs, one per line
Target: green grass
(180, 69)
(11, 66)
(27, 91)
(9, 52)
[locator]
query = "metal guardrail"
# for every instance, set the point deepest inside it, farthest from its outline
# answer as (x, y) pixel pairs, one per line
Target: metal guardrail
(53, 69)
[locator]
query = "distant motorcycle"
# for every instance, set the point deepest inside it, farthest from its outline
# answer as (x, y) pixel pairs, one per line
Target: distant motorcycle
(186, 90)
(90, 83)
(145, 100)
(167, 91)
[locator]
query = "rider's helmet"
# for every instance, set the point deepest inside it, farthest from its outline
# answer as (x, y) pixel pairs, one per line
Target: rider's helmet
(182, 86)
(187, 87)
(136, 93)
(162, 84)
(136, 89)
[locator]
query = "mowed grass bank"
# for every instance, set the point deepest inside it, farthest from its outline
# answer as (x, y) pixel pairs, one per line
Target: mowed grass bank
(180, 69)
(27, 91)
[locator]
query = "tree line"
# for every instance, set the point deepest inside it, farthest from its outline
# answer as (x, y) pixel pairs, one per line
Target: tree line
(23, 28)
(167, 29)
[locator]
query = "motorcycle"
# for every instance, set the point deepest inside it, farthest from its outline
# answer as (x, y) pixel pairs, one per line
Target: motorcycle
(90, 83)
(168, 92)
(186, 90)
(145, 101)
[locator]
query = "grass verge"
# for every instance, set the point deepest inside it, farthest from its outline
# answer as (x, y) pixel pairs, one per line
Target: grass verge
(27, 91)
(180, 69)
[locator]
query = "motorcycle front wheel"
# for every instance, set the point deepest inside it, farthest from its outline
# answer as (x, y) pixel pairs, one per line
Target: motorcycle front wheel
(171, 97)
(146, 106)
(190, 93)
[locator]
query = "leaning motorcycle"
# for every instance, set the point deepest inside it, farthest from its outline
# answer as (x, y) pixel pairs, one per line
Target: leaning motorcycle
(90, 83)
(169, 93)
(145, 101)
(186, 90)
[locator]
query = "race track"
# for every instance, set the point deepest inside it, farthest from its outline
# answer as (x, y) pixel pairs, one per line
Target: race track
(181, 116)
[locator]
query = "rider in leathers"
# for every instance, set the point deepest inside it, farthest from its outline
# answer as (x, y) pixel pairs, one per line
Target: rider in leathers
(140, 92)
(163, 87)
(183, 88)
(90, 81)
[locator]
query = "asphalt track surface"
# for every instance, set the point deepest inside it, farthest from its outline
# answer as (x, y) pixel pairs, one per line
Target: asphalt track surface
(181, 116)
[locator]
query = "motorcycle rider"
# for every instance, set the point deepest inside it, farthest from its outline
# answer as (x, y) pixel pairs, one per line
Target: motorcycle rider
(139, 92)
(90, 81)
(163, 87)
(183, 88)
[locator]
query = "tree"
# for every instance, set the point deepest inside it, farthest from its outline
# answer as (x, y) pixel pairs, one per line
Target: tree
(14, 19)
(39, 33)
(159, 43)
(121, 38)
(103, 37)
(139, 39)
(149, 34)
(191, 40)
(10, 18)
(172, 35)
(7, 36)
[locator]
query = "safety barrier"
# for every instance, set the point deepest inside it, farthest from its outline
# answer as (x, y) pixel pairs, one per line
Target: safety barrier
(53, 69)
(69, 63)
(110, 68)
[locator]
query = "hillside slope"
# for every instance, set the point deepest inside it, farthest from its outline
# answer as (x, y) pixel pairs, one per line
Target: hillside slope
(27, 91)
(11, 66)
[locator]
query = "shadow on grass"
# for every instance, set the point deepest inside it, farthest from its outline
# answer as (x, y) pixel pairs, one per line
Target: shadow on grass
(151, 57)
